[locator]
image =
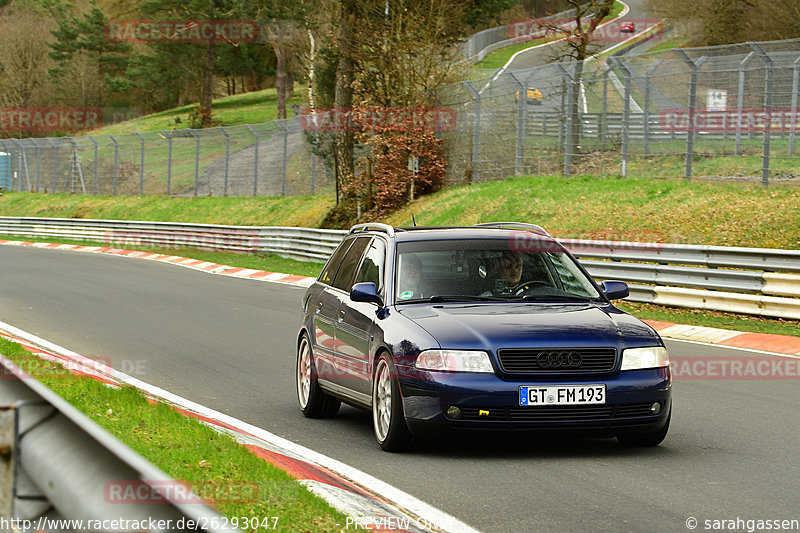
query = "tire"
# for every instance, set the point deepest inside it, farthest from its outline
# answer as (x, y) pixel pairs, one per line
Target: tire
(645, 439)
(388, 420)
(314, 403)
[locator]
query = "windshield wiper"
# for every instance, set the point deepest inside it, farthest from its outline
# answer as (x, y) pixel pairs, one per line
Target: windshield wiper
(437, 298)
(560, 297)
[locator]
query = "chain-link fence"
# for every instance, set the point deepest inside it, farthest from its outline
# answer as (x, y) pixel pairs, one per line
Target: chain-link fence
(723, 112)
(271, 159)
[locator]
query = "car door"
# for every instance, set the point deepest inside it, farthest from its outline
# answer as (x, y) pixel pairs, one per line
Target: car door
(356, 321)
(325, 305)
(345, 345)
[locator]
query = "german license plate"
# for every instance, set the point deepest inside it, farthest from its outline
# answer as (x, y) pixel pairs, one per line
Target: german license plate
(563, 395)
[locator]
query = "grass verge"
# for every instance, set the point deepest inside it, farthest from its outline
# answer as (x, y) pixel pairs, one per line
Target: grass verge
(712, 319)
(186, 450)
(247, 108)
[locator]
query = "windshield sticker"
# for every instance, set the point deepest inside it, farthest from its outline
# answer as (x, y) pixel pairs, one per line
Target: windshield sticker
(406, 295)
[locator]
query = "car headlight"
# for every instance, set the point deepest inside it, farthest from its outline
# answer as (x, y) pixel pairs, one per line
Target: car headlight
(638, 358)
(454, 361)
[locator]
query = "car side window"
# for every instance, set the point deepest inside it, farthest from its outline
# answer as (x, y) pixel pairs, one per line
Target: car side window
(372, 266)
(329, 271)
(347, 271)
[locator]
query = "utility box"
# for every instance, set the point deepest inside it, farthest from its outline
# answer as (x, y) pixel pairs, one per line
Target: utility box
(5, 170)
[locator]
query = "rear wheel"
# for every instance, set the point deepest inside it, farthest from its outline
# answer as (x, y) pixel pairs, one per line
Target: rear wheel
(314, 403)
(388, 420)
(645, 439)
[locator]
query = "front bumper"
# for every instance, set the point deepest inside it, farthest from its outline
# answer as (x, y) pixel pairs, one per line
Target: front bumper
(491, 402)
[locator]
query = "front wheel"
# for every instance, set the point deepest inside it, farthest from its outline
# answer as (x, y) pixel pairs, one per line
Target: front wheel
(388, 420)
(314, 403)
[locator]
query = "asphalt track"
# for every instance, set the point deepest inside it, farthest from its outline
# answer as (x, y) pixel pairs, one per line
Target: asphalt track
(546, 54)
(229, 344)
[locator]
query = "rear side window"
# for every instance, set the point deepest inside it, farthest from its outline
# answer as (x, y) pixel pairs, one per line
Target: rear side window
(347, 271)
(329, 272)
(372, 266)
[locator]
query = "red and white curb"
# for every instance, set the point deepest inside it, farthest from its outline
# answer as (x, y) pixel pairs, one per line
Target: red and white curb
(213, 268)
(765, 342)
(371, 503)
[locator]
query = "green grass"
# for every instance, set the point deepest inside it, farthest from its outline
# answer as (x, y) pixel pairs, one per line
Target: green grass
(187, 450)
(673, 211)
(305, 211)
(714, 319)
(499, 58)
(248, 108)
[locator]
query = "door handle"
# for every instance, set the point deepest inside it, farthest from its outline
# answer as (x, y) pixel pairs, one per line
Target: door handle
(341, 315)
(319, 307)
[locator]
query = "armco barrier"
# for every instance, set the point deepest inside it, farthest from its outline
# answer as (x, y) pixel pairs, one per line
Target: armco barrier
(758, 281)
(61, 463)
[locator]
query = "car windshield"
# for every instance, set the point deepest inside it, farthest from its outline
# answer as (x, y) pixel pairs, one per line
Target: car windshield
(488, 270)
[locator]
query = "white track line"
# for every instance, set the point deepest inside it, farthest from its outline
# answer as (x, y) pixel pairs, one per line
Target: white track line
(439, 519)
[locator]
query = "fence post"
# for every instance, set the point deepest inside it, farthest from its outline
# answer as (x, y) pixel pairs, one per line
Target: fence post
(255, 159)
(476, 132)
(522, 101)
(197, 161)
(168, 136)
(693, 66)
(38, 162)
(795, 83)
(116, 162)
(569, 82)
(647, 75)
(285, 132)
(626, 114)
(604, 114)
(227, 159)
(768, 82)
(55, 164)
(561, 115)
(740, 100)
(94, 142)
(24, 163)
(141, 163)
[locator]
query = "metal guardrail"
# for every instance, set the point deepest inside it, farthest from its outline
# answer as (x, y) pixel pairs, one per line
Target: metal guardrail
(59, 465)
(759, 281)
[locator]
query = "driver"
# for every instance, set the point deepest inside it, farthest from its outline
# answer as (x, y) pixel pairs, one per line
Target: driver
(509, 272)
(510, 268)
(410, 277)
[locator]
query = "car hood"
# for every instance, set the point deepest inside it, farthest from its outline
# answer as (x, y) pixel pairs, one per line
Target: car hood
(494, 325)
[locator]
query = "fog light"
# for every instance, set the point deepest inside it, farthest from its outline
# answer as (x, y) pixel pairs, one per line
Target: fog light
(453, 412)
(655, 408)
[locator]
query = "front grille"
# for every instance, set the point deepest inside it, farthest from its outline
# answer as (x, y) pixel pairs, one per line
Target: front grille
(558, 413)
(538, 361)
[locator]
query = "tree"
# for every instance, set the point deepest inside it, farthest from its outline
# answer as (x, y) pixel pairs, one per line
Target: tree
(86, 35)
(203, 10)
(579, 44)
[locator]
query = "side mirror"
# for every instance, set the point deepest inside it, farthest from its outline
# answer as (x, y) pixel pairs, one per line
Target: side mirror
(365, 292)
(615, 290)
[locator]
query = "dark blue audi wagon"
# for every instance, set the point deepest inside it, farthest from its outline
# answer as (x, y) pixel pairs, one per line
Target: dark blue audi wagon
(489, 327)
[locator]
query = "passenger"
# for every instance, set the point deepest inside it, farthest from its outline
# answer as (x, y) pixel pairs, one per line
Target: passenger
(410, 282)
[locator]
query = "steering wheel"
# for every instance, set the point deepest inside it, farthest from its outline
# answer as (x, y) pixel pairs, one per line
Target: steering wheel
(526, 286)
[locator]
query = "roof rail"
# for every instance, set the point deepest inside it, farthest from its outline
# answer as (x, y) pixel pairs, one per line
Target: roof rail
(515, 225)
(373, 226)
